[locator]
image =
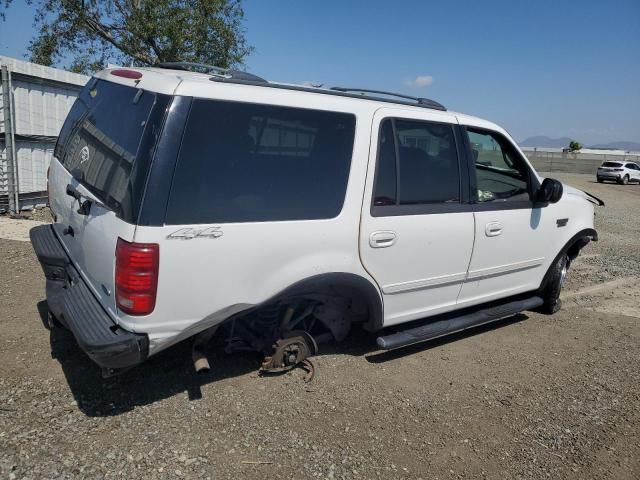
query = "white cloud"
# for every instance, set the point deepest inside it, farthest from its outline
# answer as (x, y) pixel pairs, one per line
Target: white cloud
(421, 81)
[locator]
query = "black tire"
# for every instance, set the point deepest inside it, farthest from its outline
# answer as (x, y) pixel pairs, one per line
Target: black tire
(599, 180)
(551, 293)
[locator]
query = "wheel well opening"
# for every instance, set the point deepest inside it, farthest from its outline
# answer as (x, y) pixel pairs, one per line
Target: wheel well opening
(571, 249)
(574, 249)
(325, 307)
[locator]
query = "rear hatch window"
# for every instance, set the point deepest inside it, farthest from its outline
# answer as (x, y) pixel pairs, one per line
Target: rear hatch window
(242, 162)
(611, 164)
(101, 139)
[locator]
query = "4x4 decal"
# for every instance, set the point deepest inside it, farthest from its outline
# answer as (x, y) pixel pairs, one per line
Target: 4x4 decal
(189, 233)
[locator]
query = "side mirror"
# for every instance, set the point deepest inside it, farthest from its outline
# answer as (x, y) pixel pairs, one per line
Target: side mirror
(549, 192)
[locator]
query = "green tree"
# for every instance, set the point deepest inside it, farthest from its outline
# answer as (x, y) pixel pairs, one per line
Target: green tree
(574, 146)
(88, 34)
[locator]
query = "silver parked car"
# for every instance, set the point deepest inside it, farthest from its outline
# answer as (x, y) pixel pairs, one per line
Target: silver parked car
(621, 172)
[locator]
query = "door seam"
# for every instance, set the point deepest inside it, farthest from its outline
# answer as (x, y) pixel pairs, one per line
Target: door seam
(473, 249)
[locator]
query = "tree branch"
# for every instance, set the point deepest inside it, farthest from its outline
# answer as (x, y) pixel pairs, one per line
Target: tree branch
(104, 33)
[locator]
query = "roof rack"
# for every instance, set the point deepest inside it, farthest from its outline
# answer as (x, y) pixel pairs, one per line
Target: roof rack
(228, 75)
(218, 72)
(419, 100)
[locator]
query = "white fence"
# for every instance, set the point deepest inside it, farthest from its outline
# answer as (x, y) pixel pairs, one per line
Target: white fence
(34, 102)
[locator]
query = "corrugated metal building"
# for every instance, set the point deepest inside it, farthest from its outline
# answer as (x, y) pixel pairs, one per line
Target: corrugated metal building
(33, 105)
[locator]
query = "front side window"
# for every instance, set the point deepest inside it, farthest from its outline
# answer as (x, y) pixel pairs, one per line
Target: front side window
(501, 175)
(417, 164)
(243, 162)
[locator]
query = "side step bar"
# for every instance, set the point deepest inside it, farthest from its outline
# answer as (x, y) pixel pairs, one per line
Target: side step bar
(440, 328)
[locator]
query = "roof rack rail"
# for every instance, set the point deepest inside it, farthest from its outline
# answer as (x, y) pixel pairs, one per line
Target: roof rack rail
(218, 72)
(419, 100)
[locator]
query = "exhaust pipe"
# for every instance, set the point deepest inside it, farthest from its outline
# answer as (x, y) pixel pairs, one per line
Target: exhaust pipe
(198, 356)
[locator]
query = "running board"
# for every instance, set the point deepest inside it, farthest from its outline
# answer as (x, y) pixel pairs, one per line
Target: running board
(440, 328)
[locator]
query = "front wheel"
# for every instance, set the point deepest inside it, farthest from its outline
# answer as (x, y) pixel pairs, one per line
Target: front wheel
(551, 293)
(599, 180)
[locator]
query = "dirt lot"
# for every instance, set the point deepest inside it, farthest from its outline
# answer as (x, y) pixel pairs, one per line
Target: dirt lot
(532, 397)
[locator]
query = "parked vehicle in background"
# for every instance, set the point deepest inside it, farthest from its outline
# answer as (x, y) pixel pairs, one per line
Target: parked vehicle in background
(277, 217)
(620, 172)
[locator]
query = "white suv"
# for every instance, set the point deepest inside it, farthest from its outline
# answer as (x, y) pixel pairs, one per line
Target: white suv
(277, 217)
(621, 172)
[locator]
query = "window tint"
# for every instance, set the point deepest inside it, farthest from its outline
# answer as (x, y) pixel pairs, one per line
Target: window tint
(500, 172)
(385, 188)
(632, 166)
(99, 148)
(611, 164)
(77, 112)
(427, 161)
(242, 162)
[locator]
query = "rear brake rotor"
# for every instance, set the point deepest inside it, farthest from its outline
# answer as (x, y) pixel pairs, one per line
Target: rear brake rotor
(289, 352)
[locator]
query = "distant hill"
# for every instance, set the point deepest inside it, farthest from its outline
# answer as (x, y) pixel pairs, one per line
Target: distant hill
(632, 146)
(542, 141)
(548, 142)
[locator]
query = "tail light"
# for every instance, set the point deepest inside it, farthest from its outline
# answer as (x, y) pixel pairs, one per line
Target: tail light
(136, 276)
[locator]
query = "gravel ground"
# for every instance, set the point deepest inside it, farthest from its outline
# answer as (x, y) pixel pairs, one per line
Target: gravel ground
(532, 397)
(39, 214)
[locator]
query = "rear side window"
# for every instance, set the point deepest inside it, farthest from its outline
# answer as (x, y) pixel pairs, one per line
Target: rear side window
(242, 162)
(386, 175)
(428, 164)
(417, 164)
(100, 139)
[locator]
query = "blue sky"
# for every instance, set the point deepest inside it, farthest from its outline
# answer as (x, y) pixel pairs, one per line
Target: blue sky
(556, 68)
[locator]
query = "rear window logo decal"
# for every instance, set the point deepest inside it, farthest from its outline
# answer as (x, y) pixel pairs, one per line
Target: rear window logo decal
(84, 154)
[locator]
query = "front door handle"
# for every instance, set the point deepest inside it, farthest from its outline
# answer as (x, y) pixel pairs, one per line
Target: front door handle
(382, 239)
(493, 229)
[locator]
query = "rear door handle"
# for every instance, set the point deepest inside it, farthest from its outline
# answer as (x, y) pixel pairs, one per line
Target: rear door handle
(382, 239)
(493, 229)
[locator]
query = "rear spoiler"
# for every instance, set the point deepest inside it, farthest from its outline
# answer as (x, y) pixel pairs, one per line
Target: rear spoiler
(598, 201)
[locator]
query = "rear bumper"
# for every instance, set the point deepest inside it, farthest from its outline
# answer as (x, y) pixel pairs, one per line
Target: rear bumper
(72, 302)
(609, 175)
